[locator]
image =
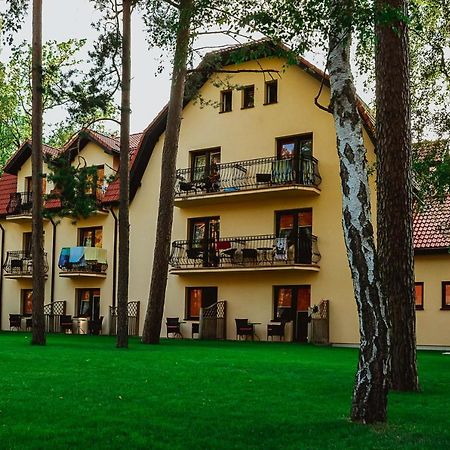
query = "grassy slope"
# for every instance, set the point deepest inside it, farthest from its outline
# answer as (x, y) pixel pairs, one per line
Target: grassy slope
(80, 392)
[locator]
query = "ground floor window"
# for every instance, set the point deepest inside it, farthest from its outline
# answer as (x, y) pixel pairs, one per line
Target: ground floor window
(27, 302)
(88, 303)
(419, 295)
(199, 297)
(446, 295)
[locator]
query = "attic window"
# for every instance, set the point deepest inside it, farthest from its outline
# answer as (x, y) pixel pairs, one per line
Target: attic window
(271, 92)
(248, 97)
(226, 101)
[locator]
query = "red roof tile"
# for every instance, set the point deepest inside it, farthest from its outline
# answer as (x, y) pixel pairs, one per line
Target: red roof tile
(8, 185)
(432, 226)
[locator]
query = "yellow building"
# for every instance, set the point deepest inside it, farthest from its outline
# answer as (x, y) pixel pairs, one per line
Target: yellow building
(257, 219)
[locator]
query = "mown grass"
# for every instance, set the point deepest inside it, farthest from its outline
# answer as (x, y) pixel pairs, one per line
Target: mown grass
(81, 392)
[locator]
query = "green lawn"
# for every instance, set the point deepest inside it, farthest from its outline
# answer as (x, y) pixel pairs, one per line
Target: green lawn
(81, 392)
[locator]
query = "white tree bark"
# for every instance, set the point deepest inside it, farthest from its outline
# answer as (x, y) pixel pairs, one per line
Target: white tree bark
(371, 385)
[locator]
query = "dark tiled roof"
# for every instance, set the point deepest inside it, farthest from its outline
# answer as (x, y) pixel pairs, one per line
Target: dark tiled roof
(8, 185)
(432, 226)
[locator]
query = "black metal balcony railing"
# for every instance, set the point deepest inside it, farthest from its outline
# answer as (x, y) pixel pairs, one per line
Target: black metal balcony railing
(21, 263)
(245, 251)
(246, 175)
(20, 203)
(83, 259)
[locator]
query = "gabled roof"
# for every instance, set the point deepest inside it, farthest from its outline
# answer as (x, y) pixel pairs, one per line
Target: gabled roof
(16, 161)
(210, 63)
(8, 185)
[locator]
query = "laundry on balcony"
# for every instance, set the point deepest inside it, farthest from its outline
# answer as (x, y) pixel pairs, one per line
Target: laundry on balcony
(95, 254)
(83, 259)
(76, 254)
(64, 257)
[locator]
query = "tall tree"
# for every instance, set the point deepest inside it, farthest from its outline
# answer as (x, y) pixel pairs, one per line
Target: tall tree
(155, 308)
(124, 222)
(38, 319)
(369, 403)
(394, 191)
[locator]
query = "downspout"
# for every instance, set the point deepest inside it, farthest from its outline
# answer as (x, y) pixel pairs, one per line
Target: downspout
(52, 281)
(114, 257)
(1, 274)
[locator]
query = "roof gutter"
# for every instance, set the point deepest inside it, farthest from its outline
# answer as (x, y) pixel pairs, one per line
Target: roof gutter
(114, 286)
(2, 244)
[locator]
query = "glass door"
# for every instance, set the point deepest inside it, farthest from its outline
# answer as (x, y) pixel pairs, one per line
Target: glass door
(294, 227)
(204, 167)
(203, 236)
(295, 153)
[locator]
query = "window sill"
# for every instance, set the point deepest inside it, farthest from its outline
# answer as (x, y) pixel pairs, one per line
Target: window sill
(419, 308)
(271, 103)
(445, 308)
(224, 112)
(248, 107)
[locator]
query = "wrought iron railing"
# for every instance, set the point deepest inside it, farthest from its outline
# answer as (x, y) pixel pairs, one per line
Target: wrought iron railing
(20, 262)
(83, 259)
(245, 251)
(246, 175)
(133, 319)
(20, 203)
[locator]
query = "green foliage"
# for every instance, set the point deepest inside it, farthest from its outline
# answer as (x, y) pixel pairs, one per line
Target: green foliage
(12, 15)
(75, 187)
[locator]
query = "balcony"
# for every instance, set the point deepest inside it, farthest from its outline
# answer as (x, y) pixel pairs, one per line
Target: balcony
(19, 264)
(246, 253)
(245, 179)
(82, 262)
(19, 206)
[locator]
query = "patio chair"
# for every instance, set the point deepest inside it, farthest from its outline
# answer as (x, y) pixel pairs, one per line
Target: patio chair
(276, 328)
(15, 321)
(173, 327)
(28, 324)
(65, 323)
(95, 326)
(244, 329)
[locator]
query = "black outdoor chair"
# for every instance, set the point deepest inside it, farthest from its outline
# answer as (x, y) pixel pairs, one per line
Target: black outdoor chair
(173, 327)
(95, 326)
(15, 321)
(276, 328)
(195, 329)
(65, 323)
(28, 324)
(244, 329)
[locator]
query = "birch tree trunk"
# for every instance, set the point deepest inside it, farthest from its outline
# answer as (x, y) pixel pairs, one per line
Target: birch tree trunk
(155, 307)
(38, 319)
(394, 201)
(124, 200)
(369, 402)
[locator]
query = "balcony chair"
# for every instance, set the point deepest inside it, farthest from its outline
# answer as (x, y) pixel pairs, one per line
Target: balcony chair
(16, 265)
(264, 178)
(276, 328)
(95, 326)
(195, 254)
(173, 327)
(250, 256)
(195, 329)
(15, 321)
(244, 329)
(65, 323)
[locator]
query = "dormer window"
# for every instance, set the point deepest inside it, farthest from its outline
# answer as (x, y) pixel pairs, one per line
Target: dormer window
(271, 92)
(226, 98)
(248, 97)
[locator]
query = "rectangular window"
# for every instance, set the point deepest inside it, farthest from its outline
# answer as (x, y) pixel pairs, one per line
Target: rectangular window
(88, 303)
(95, 182)
(199, 297)
(248, 97)
(204, 166)
(446, 295)
(29, 184)
(419, 295)
(26, 243)
(226, 101)
(271, 92)
(90, 237)
(27, 302)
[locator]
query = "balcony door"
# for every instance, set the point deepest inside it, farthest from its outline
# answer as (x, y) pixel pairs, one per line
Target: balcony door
(296, 227)
(203, 234)
(295, 159)
(204, 167)
(291, 304)
(88, 303)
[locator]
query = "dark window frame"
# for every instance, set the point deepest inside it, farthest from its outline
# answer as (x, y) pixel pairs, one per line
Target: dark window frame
(268, 97)
(248, 97)
(208, 152)
(86, 229)
(444, 307)
(421, 306)
(225, 105)
(78, 295)
(188, 290)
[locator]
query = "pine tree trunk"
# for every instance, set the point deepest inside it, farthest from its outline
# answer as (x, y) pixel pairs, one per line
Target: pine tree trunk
(124, 222)
(38, 319)
(369, 403)
(155, 307)
(395, 239)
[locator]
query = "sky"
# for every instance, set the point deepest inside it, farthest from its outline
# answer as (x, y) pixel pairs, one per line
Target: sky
(65, 19)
